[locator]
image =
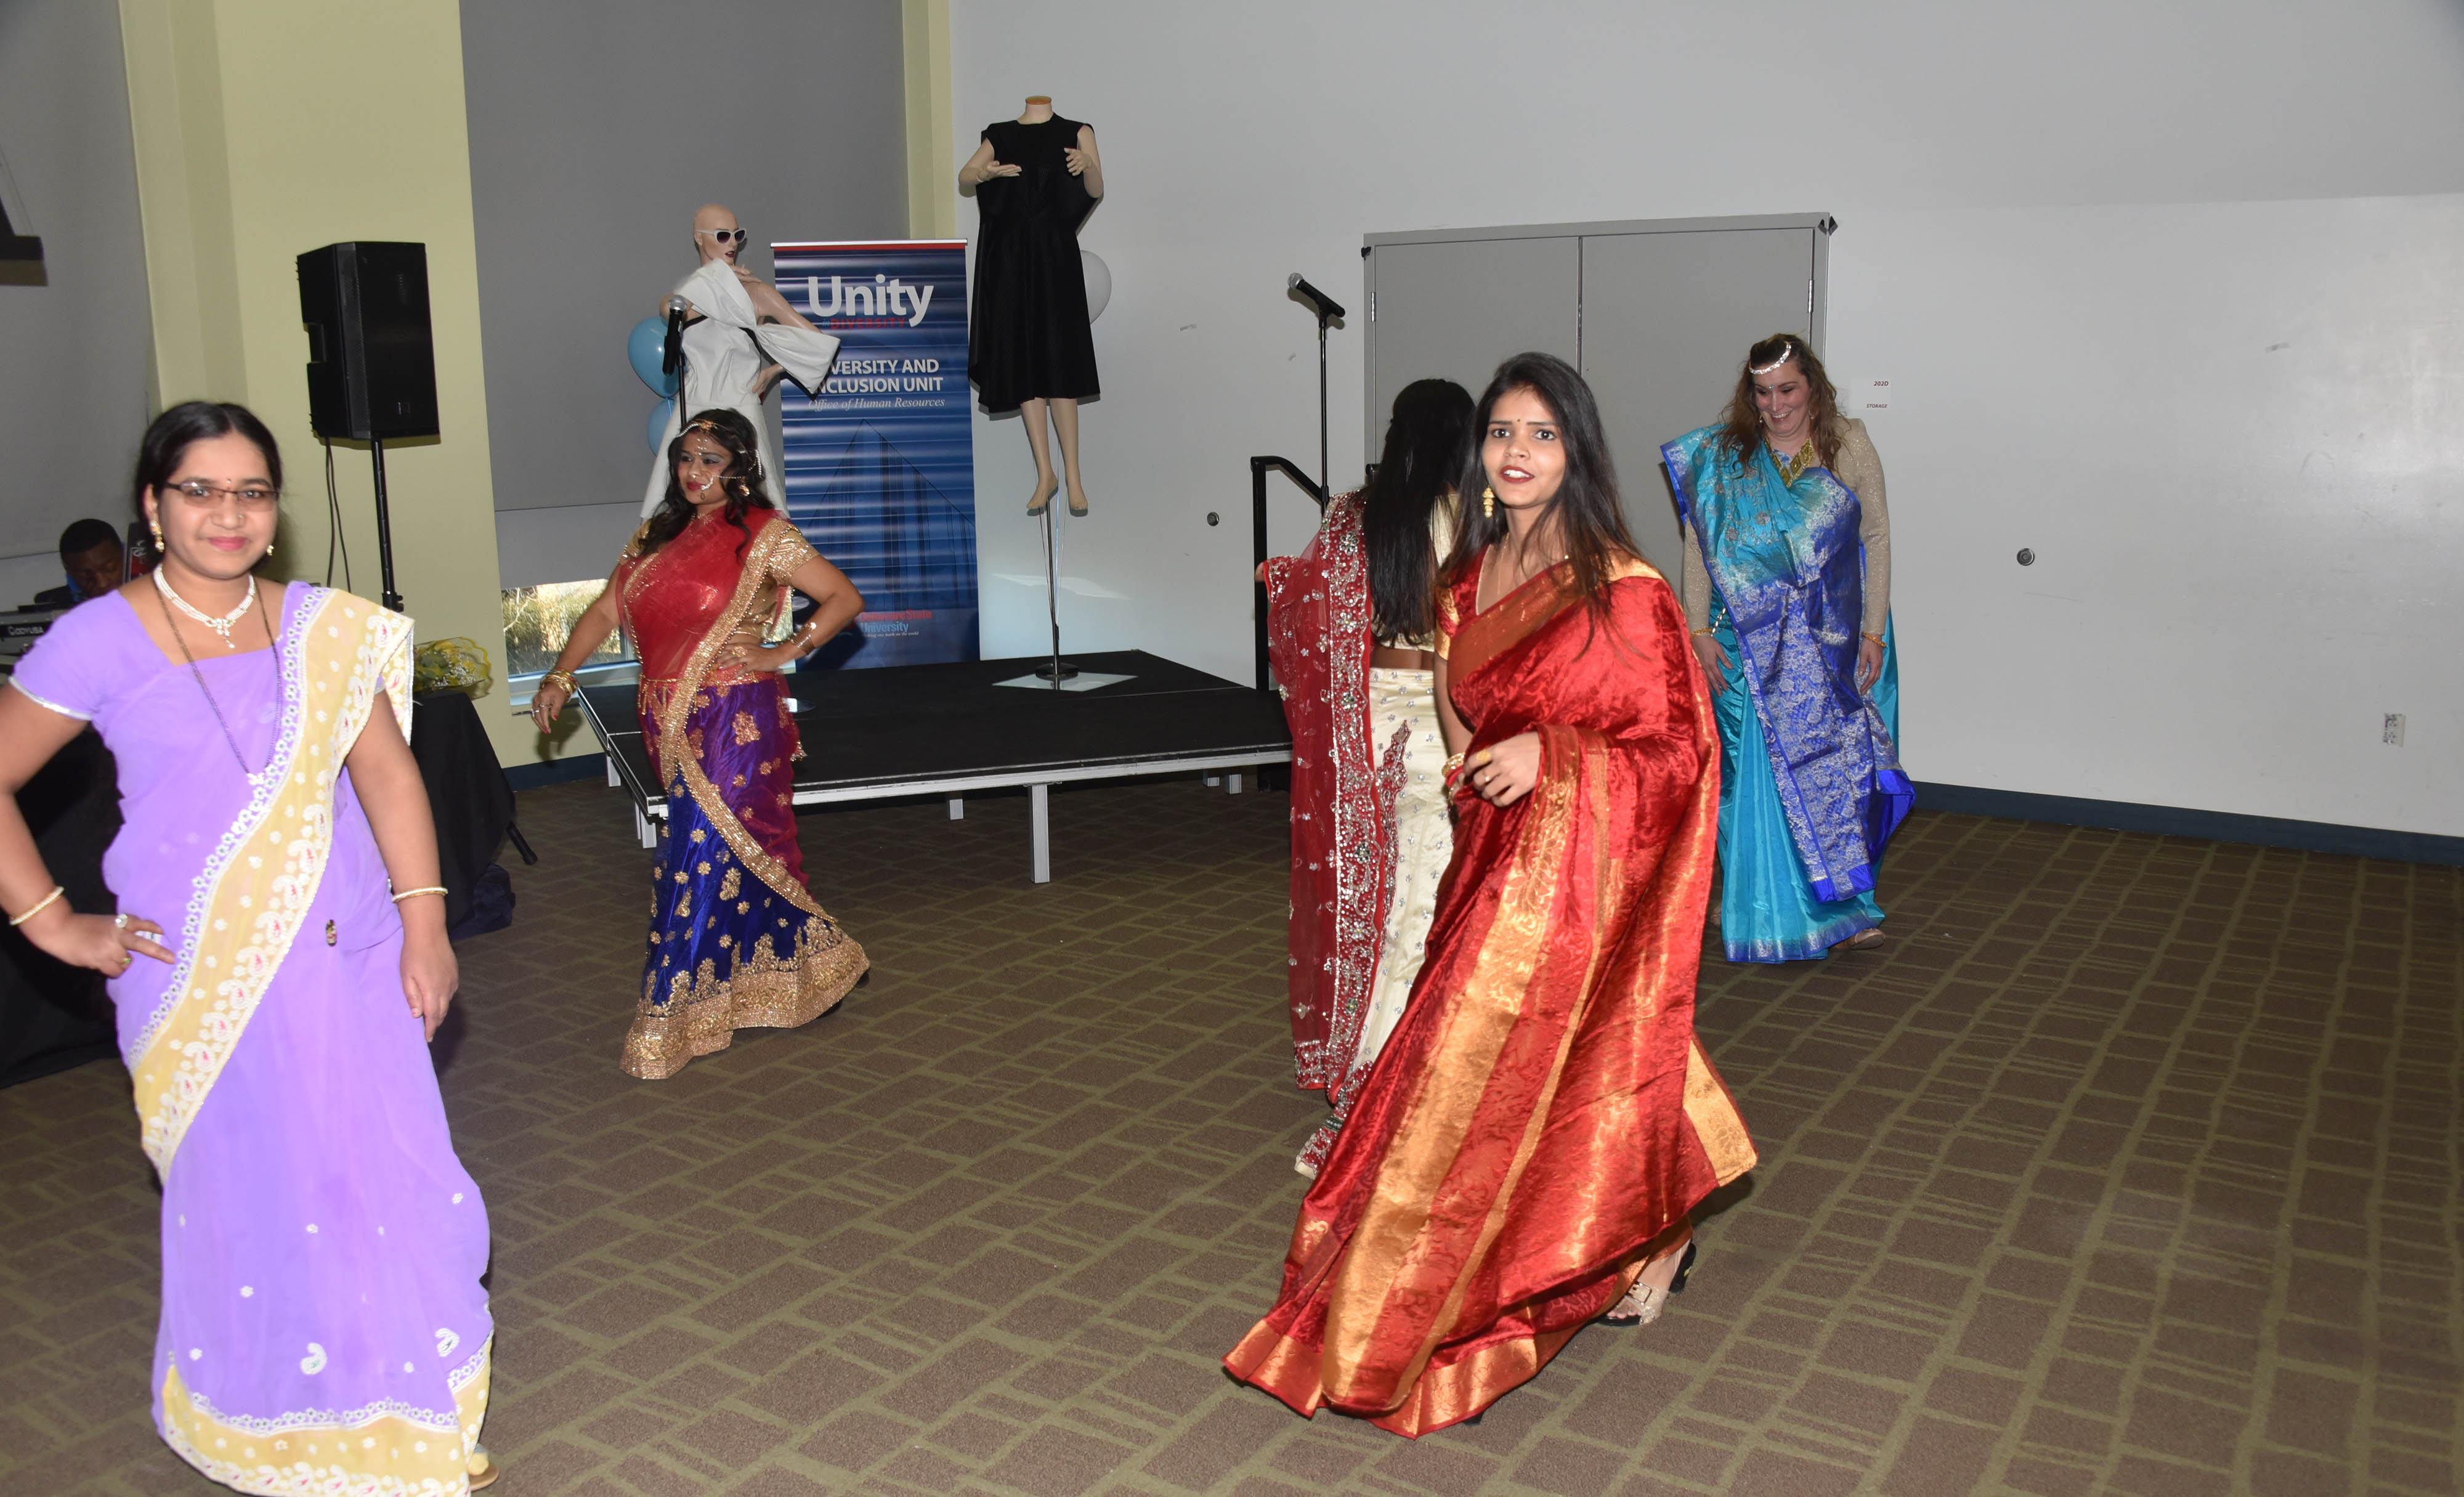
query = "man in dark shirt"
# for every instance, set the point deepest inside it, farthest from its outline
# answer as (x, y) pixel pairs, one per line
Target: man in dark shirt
(95, 561)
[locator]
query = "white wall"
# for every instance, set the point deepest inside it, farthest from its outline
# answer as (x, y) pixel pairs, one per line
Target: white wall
(2023, 181)
(74, 354)
(569, 544)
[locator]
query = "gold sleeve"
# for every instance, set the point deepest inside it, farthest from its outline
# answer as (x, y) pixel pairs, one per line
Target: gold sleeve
(787, 550)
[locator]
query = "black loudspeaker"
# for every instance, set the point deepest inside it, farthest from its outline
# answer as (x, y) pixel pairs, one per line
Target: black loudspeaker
(371, 366)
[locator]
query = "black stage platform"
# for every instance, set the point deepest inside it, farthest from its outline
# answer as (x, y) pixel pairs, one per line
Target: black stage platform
(948, 729)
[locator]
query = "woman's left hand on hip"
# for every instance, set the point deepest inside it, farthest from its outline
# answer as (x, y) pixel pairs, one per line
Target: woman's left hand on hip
(752, 656)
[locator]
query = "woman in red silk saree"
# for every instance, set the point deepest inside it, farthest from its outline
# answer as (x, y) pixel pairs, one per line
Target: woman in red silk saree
(1542, 1120)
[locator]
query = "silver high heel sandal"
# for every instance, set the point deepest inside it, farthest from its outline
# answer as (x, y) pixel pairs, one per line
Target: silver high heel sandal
(1643, 1303)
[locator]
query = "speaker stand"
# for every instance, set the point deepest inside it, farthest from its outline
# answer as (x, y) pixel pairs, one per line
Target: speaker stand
(1060, 670)
(384, 530)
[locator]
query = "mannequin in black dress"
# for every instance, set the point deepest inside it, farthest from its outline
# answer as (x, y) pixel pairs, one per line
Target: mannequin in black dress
(1035, 179)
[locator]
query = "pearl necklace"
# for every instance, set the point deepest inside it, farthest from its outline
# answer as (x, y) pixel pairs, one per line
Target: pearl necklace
(221, 626)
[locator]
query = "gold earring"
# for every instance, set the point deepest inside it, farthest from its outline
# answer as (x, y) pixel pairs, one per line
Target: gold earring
(1487, 502)
(156, 526)
(269, 548)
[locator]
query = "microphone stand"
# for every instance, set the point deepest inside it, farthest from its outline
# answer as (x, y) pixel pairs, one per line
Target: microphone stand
(1324, 492)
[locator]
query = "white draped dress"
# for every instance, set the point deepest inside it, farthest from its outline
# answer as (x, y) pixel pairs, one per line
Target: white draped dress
(725, 352)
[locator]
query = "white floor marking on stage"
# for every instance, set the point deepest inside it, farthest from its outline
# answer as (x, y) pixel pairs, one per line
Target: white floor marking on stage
(1083, 681)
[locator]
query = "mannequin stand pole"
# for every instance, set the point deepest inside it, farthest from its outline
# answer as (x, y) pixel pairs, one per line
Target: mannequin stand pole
(1060, 670)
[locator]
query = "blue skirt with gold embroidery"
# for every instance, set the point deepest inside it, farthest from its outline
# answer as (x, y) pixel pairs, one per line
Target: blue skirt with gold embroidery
(737, 940)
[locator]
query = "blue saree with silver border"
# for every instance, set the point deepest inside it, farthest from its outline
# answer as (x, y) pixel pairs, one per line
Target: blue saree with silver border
(1812, 788)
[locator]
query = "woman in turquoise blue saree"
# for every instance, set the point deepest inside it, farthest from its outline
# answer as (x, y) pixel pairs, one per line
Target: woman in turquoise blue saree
(1787, 589)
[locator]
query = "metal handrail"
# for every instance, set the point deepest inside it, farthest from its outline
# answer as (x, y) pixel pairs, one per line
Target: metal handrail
(1258, 469)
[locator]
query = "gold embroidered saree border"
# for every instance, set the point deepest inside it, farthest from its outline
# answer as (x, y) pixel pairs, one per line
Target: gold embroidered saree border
(703, 1010)
(390, 1454)
(1384, 1255)
(271, 860)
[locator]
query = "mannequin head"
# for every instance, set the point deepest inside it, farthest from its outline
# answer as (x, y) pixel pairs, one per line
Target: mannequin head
(1039, 108)
(710, 222)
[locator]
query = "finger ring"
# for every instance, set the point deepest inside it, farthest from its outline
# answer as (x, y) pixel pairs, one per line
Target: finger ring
(119, 922)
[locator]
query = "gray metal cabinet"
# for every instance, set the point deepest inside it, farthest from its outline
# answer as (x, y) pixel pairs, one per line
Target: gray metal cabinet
(1657, 313)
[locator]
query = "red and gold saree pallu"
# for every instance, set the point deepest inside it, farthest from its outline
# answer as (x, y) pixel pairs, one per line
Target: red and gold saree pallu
(737, 940)
(1543, 1114)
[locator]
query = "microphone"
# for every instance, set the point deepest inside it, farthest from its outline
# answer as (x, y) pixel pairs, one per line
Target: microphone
(1319, 302)
(672, 357)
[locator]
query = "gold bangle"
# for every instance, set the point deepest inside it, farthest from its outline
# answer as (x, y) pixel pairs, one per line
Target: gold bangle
(1876, 638)
(40, 905)
(1706, 630)
(413, 893)
(564, 679)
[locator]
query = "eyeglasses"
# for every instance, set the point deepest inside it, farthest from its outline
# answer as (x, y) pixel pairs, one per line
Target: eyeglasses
(742, 236)
(252, 496)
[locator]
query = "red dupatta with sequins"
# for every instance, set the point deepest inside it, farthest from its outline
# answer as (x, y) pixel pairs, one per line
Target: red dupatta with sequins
(1319, 640)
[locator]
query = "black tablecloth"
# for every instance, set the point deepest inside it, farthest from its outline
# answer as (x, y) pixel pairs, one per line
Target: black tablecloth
(465, 790)
(52, 1015)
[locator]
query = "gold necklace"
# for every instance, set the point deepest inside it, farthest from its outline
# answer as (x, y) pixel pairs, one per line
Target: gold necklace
(1794, 468)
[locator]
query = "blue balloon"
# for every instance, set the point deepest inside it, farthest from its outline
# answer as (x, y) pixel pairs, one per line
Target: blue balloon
(660, 415)
(646, 348)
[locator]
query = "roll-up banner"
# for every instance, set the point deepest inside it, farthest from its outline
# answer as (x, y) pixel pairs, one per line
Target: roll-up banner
(881, 473)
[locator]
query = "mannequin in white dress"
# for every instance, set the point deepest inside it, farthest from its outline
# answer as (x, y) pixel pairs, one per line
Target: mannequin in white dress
(742, 337)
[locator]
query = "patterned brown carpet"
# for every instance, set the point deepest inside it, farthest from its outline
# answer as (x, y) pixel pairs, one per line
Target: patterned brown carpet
(2128, 1165)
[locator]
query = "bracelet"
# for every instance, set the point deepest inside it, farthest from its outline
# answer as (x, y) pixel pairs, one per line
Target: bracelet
(1876, 638)
(562, 678)
(40, 905)
(1706, 630)
(413, 893)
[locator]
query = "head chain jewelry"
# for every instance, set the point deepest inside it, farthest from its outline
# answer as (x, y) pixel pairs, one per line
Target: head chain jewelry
(1788, 351)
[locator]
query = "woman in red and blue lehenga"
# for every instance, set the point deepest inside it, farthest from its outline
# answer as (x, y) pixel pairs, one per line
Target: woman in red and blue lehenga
(736, 939)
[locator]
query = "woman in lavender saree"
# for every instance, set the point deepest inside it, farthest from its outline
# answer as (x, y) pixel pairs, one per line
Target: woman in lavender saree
(1787, 593)
(737, 940)
(323, 1328)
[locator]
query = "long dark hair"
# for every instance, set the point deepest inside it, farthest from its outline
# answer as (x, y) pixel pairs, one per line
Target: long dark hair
(747, 487)
(1590, 520)
(1421, 464)
(1744, 427)
(183, 427)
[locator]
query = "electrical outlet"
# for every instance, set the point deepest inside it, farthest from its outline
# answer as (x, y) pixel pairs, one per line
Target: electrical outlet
(2392, 732)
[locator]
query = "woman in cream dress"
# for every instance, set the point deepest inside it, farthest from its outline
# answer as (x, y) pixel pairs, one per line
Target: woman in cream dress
(1352, 623)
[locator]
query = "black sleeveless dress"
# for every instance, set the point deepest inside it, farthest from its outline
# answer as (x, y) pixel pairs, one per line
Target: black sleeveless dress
(1028, 337)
